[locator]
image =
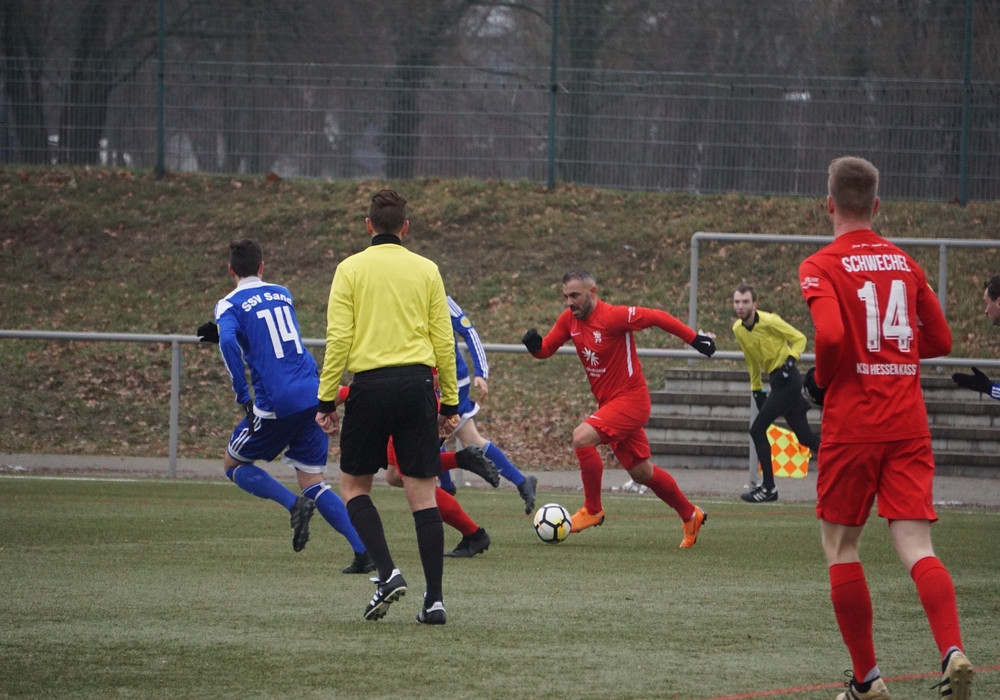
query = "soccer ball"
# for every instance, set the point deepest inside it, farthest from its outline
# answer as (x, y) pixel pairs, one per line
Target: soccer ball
(552, 523)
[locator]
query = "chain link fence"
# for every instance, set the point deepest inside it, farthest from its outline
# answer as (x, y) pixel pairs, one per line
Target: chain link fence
(618, 129)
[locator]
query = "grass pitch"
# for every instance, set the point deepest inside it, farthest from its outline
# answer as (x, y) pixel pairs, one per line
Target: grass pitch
(188, 589)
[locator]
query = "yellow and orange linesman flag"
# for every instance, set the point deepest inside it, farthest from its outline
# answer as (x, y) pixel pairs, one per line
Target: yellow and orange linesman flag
(789, 457)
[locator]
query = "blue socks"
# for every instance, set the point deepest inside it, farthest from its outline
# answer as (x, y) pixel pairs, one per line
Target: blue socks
(444, 478)
(258, 482)
(333, 510)
(507, 470)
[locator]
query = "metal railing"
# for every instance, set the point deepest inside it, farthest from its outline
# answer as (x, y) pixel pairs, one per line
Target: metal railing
(942, 244)
(175, 342)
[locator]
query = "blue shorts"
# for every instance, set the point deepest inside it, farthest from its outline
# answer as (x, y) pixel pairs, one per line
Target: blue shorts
(467, 408)
(308, 446)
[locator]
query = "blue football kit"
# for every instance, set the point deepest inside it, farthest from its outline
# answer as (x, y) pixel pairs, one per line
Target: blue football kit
(259, 333)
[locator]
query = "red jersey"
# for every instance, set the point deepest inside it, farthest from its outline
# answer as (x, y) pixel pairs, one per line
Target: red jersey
(606, 346)
(875, 318)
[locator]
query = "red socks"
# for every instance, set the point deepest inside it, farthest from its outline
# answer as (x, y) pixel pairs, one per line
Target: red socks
(852, 606)
(937, 595)
(591, 474)
(448, 461)
(664, 486)
(453, 514)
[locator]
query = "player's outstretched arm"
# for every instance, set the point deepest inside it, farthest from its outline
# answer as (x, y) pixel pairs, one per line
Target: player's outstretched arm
(532, 341)
(703, 344)
(977, 381)
(208, 333)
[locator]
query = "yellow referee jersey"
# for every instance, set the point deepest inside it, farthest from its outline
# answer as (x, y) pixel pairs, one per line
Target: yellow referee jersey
(766, 347)
(388, 308)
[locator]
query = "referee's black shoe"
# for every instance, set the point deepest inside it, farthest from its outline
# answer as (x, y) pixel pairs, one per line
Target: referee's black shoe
(761, 494)
(302, 511)
(434, 615)
(386, 594)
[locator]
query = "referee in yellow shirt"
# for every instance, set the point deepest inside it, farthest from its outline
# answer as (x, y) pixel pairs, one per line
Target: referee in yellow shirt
(388, 324)
(771, 345)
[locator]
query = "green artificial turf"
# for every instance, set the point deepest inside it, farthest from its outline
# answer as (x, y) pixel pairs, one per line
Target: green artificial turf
(156, 589)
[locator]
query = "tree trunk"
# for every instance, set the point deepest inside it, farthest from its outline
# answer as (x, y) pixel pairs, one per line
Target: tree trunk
(22, 80)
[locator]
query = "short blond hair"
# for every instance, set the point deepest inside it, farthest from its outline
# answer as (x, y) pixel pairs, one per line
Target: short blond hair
(853, 184)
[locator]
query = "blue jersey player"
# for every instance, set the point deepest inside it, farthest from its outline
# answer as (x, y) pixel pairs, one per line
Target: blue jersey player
(467, 432)
(258, 333)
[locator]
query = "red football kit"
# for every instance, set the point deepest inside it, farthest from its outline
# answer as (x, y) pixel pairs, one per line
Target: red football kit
(875, 318)
(605, 344)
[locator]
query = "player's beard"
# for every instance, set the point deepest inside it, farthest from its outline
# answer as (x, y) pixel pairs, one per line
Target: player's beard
(582, 311)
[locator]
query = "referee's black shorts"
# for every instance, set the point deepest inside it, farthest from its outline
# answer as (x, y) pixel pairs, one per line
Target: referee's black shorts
(392, 401)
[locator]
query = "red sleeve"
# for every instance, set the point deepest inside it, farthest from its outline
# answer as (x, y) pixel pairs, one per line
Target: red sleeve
(556, 337)
(666, 322)
(829, 339)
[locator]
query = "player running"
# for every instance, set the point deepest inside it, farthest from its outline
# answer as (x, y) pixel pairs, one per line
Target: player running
(467, 431)
(603, 337)
(258, 330)
(475, 539)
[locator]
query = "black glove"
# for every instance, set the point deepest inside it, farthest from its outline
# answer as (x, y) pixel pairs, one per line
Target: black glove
(759, 397)
(816, 392)
(208, 333)
(704, 344)
(248, 409)
(787, 367)
(532, 341)
(977, 381)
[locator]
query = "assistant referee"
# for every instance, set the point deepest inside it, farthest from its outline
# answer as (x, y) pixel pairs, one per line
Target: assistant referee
(388, 324)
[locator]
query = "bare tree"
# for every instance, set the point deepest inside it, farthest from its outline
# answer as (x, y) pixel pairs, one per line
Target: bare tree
(419, 31)
(23, 69)
(114, 39)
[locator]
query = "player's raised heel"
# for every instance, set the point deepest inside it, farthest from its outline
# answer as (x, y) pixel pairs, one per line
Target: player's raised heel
(472, 459)
(956, 680)
(386, 594)
(527, 490)
(692, 526)
(301, 512)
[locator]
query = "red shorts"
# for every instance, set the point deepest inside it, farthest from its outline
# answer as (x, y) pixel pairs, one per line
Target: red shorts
(851, 475)
(621, 423)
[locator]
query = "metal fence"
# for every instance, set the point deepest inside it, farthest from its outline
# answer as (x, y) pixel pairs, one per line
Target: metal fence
(176, 341)
(942, 244)
(932, 140)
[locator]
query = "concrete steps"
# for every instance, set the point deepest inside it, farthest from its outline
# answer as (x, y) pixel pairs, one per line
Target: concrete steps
(700, 420)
